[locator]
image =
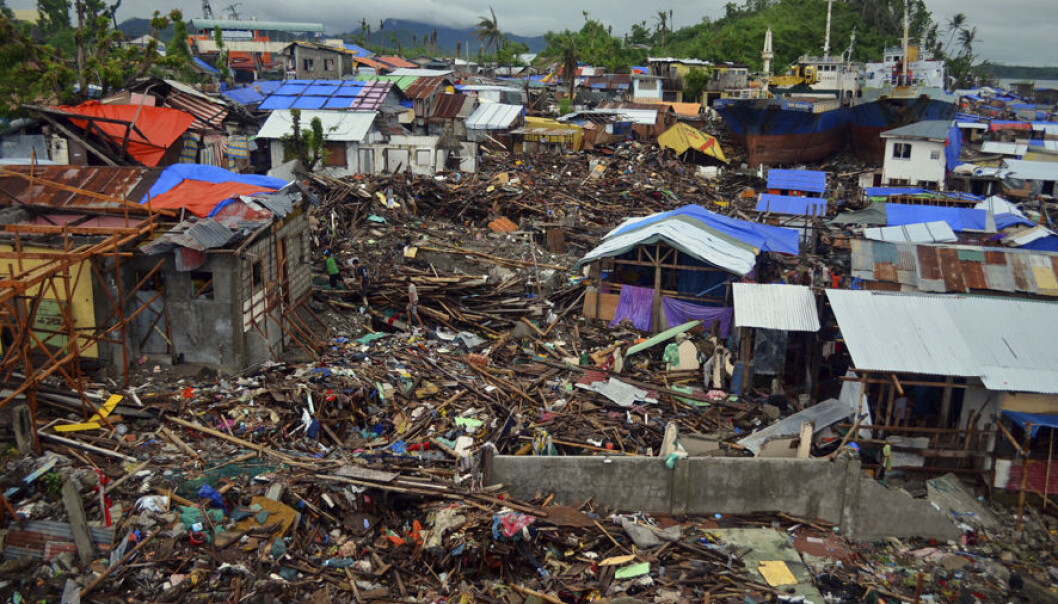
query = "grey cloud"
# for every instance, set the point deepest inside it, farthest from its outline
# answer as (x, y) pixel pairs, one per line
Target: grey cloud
(1009, 32)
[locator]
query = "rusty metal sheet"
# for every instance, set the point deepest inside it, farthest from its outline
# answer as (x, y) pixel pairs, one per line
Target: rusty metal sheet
(973, 274)
(1023, 279)
(129, 183)
(929, 263)
(885, 272)
(423, 87)
(995, 257)
(950, 269)
(451, 106)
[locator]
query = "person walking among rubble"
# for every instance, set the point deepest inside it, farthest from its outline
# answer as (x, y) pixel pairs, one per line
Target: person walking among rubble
(413, 303)
(360, 273)
(332, 269)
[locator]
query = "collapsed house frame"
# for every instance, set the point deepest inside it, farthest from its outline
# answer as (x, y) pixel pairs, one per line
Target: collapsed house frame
(77, 292)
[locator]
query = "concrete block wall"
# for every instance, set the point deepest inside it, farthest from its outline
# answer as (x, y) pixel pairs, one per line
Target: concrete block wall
(836, 491)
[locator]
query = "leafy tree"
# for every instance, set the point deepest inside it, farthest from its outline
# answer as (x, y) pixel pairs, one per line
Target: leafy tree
(305, 146)
(222, 55)
(694, 84)
(177, 48)
(54, 17)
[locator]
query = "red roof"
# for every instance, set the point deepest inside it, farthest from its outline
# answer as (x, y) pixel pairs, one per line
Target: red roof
(396, 62)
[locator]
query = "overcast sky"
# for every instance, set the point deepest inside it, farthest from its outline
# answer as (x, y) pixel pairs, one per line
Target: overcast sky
(1018, 31)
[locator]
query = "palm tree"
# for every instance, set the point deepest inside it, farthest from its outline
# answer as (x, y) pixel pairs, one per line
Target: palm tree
(564, 48)
(488, 31)
(954, 26)
(967, 37)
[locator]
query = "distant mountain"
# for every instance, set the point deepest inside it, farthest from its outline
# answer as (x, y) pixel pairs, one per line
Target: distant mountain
(136, 27)
(411, 34)
(1021, 72)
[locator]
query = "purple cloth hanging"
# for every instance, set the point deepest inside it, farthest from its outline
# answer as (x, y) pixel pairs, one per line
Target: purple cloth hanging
(636, 304)
(678, 312)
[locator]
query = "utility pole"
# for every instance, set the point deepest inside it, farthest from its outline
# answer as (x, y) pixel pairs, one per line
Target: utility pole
(826, 41)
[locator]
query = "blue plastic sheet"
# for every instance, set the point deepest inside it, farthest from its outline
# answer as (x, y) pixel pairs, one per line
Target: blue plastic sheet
(1023, 419)
(764, 237)
(959, 219)
(178, 173)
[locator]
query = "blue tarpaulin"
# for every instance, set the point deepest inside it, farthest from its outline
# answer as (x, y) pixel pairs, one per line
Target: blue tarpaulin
(959, 219)
(178, 173)
(205, 65)
(1008, 220)
(789, 204)
(254, 93)
(798, 180)
(764, 237)
(953, 147)
(1023, 419)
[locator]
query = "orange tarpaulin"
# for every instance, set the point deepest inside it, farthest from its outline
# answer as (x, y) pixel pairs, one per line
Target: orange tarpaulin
(160, 127)
(201, 197)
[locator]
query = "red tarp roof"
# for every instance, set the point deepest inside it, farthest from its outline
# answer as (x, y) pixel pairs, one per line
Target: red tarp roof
(201, 197)
(160, 127)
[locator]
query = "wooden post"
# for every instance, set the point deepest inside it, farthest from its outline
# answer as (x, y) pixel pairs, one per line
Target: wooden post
(804, 448)
(655, 306)
(745, 342)
(945, 402)
(82, 537)
(1047, 480)
(1024, 475)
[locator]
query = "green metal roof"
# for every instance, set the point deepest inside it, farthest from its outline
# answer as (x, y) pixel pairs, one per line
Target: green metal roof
(233, 24)
(402, 82)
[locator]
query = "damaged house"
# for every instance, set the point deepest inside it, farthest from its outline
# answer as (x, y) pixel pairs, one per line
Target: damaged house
(189, 264)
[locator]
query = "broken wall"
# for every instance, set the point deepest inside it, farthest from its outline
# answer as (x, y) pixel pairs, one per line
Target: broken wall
(834, 491)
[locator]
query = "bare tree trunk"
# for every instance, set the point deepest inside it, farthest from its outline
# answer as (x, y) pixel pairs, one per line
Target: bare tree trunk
(82, 77)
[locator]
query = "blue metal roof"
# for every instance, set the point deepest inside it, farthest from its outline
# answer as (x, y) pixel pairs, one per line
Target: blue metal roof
(254, 93)
(327, 94)
(358, 50)
(789, 204)
(798, 180)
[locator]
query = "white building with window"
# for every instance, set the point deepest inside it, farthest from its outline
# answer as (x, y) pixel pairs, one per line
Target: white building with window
(914, 155)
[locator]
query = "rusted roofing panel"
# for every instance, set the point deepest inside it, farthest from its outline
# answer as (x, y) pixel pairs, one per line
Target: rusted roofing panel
(423, 87)
(451, 106)
(129, 183)
(956, 268)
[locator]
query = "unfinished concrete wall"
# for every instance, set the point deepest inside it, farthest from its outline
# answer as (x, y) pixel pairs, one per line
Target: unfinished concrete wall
(812, 488)
(204, 327)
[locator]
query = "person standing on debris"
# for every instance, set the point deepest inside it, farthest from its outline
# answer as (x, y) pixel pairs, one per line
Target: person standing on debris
(332, 269)
(413, 303)
(360, 273)
(887, 461)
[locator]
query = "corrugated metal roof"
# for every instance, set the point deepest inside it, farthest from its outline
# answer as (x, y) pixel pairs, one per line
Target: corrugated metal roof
(811, 181)
(1032, 170)
(820, 416)
(396, 62)
(351, 95)
(955, 268)
(496, 116)
(775, 306)
(1008, 343)
(687, 235)
(1013, 149)
(934, 130)
(791, 204)
(926, 232)
(423, 87)
(419, 72)
(233, 24)
(130, 183)
(339, 125)
(451, 106)
(210, 233)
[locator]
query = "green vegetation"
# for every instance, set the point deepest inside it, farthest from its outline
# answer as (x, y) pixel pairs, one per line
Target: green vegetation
(61, 62)
(306, 146)
(1019, 72)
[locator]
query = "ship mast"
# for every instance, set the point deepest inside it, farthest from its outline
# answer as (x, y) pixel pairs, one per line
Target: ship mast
(826, 41)
(767, 55)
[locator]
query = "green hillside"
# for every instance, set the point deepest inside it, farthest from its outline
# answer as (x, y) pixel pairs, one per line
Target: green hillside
(798, 27)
